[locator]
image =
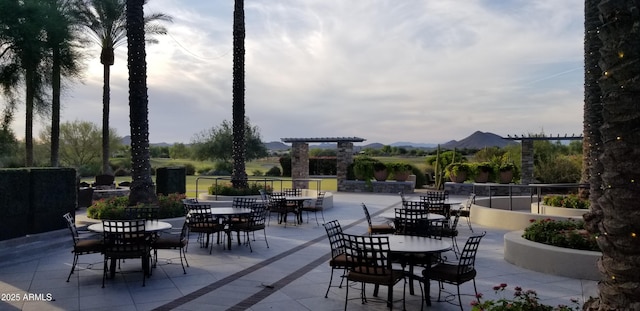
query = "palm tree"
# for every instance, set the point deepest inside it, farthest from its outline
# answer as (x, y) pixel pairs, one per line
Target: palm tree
(142, 189)
(239, 178)
(22, 59)
(62, 26)
(106, 20)
(592, 105)
(620, 132)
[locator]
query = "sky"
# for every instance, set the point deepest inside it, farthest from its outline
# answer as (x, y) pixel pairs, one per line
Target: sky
(422, 71)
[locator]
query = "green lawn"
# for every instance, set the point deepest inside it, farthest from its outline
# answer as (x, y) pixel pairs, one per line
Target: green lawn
(263, 165)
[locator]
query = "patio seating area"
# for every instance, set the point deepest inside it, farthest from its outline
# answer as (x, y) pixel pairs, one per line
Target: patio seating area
(292, 273)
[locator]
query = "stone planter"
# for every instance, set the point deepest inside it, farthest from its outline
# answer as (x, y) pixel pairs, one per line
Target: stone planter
(506, 176)
(460, 177)
(577, 264)
(401, 176)
(482, 177)
(381, 175)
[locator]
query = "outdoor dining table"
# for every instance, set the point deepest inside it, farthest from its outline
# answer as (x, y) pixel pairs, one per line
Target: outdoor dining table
(417, 245)
(149, 226)
(299, 201)
(430, 216)
(228, 213)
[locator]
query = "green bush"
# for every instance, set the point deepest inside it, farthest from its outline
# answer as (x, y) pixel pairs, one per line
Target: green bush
(560, 169)
(205, 170)
(568, 201)
(226, 188)
(223, 168)
(121, 172)
(562, 233)
(274, 171)
(189, 169)
(113, 208)
(256, 173)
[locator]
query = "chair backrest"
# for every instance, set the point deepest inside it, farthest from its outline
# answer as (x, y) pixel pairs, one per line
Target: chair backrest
(415, 205)
(366, 214)
(411, 222)
(319, 200)
(453, 224)
(467, 204)
(438, 208)
(336, 241)
(368, 254)
(257, 217)
(243, 202)
(263, 195)
(292, 192)
(125, 236)
(434, 196)
(71, 224)
(468, 253)
(104, 180)
(402, 196)
(199, 215)
(142, 212)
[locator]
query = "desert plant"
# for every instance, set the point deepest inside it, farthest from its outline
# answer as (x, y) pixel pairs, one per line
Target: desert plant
(562, 233)
(523, 300)
(226, 188)
(457, 168)
(568, 201)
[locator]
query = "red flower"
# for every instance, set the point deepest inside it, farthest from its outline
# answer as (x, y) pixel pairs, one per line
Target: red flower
(503, 285)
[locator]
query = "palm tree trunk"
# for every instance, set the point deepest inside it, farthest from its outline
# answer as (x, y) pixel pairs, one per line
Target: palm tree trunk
(55, 109)
(239, 178)
(106, 98)
(142, 188)
(29, 102)
(620, 63)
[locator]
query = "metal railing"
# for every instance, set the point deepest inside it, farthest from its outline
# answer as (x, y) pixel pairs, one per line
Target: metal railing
(537, 187)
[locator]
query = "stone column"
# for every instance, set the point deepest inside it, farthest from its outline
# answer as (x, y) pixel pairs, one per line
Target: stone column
(344, 159)
(300, 164)
(526, 176)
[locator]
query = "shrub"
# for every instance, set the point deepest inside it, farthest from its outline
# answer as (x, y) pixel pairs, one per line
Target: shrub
(522, 301)
(205, 170)
(189, 169)
(562, 233)
(274, 171)
(121, 171)
(257, 173)
(223, 168)
(113, 208)
(226, 188)
(568, 201)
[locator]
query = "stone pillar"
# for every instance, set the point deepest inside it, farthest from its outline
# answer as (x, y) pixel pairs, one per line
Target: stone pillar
(344, 159)
(526, 176)
(300, 164)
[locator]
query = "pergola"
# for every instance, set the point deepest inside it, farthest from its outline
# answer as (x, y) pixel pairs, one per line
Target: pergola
(527, 152)
(300, 157)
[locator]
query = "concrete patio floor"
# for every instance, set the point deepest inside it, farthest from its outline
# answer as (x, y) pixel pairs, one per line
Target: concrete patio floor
(292, 274)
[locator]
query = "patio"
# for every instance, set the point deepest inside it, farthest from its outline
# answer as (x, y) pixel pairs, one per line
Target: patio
(292, 274)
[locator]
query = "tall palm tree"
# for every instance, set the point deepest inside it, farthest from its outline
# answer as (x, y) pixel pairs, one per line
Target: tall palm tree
(239, 177)
(142, 189)
(620, 221)
(106, 20)
(22, 59)
(62, 29)
(591, 144)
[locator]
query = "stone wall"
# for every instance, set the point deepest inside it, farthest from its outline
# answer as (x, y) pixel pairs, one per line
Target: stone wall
(378, 186)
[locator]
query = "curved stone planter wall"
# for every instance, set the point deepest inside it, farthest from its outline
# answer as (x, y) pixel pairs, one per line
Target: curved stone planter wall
(223, 201)
(557, 211)
(499, 216)
(577, 264)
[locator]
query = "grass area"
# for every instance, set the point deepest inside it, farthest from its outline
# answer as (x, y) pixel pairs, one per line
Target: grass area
(263, 165)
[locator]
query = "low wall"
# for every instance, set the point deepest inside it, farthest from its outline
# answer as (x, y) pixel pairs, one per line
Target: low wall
(378, 186)
(487, 189)
(500, 216)
(557, 211)
(110, 193)
(225, 201)
(577, 264)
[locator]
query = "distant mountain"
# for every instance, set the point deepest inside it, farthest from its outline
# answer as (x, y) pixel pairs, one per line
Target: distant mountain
(276, 145)
(414, 145)
(479, 140)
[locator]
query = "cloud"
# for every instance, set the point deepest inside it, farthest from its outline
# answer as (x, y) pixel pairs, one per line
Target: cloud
(424, 71)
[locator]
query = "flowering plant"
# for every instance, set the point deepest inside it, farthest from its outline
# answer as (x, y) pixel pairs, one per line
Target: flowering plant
(522, 301)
